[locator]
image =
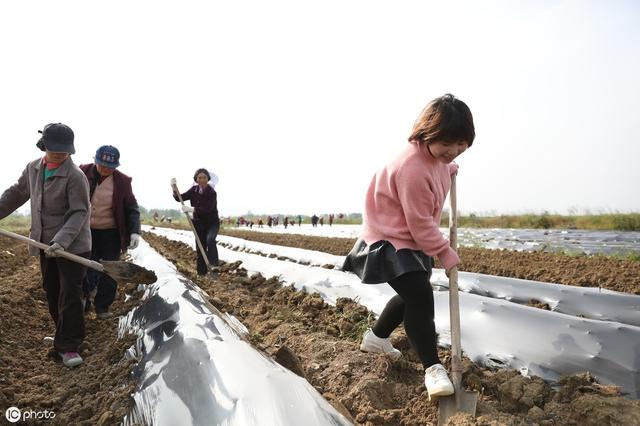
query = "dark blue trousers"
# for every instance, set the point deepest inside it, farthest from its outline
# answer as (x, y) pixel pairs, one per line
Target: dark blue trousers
(105, 245)
(207, 234)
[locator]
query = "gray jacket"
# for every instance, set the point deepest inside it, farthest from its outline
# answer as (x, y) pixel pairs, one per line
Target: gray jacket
(60, 207)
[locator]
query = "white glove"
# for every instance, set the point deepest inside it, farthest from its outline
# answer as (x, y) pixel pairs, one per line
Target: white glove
(174, 182)
(52, 250)
(135, 240)
(187, 209)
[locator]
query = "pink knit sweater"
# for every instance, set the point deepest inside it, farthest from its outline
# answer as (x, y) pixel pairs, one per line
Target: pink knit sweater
(404, 204)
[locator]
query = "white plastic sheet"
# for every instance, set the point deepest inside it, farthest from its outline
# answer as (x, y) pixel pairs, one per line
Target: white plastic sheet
(589, 302)
(496, 332)
(196, 369)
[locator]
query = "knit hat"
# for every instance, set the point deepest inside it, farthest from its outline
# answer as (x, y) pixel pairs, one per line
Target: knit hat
(56, 137)
(108, 156)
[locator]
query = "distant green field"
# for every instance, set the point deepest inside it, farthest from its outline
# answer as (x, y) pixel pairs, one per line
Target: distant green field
(611, 222)
(16, 223)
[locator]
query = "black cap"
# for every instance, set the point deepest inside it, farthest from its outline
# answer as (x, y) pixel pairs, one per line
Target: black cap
(56, 137)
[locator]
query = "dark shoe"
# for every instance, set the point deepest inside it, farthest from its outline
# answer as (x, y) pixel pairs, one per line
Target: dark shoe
(214, 272)
(87, 305)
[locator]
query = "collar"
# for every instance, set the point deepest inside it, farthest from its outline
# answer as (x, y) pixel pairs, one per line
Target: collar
(63, 168)
(424, 148)
(50, 164)
(99, 178)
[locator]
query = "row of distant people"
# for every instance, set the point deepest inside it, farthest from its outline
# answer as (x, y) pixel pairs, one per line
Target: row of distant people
(272, 221)
(158, 218)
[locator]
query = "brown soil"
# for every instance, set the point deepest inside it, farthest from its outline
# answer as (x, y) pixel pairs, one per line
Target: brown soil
(320, 343)
(584, 271)
(32, 376)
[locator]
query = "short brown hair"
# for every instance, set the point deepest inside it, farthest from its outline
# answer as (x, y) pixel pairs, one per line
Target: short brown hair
(444, 119)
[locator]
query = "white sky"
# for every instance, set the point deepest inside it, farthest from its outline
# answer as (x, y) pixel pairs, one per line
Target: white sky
(295, 104)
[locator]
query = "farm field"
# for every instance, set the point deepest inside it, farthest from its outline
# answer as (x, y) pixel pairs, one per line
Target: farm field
(312, 338)
(568, 241)
(586, 271)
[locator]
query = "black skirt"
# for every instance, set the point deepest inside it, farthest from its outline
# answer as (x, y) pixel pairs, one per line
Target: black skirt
(381, 262)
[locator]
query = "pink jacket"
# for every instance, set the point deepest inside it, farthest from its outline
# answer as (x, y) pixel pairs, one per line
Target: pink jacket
(404, 204)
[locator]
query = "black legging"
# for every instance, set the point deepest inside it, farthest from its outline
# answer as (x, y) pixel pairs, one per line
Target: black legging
(414, 305)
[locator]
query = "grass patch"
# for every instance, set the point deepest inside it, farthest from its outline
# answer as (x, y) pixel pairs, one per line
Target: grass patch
(20, 224)
(284, 314)
(359, 327)
(610, 222)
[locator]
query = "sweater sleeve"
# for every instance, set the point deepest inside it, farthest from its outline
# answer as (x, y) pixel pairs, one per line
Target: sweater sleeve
(418, 202)
(186, 196)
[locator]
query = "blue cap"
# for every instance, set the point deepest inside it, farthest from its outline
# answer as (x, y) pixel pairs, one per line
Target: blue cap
(108, 156)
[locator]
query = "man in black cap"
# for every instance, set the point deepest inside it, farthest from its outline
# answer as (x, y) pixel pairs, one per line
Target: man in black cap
(59, 194)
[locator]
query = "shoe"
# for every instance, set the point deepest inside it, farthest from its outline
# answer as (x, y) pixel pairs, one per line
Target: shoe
(437, 381)
(86, 304)
(104, 315)
(70, 359)
(375, 344)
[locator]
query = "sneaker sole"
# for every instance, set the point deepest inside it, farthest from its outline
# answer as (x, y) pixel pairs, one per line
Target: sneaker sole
(71, 363)
(440, 393)
(390, 355)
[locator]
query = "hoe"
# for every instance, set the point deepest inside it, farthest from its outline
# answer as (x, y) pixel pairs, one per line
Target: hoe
(462, 400)
(124, 272)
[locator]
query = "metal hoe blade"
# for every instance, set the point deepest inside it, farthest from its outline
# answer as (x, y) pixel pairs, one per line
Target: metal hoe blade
(126, 272)
(462, 401)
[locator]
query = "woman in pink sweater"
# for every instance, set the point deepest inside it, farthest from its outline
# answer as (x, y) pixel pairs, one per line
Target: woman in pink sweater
(400, 235)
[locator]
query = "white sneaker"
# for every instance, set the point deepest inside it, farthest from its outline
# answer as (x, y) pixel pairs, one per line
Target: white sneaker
(437, 381)
(70, 359)
(375, 344)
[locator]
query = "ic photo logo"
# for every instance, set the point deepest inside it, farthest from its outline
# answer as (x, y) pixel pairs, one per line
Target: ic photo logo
(14, 415)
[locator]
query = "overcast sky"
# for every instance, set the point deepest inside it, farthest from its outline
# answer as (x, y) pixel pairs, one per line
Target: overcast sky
(295, 104)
